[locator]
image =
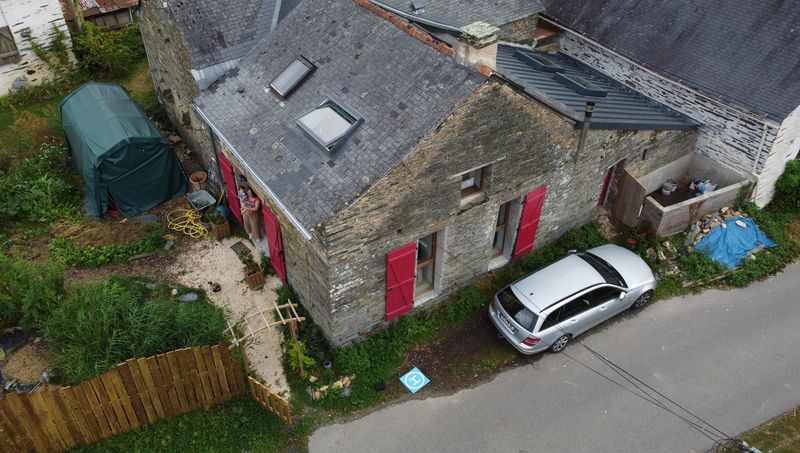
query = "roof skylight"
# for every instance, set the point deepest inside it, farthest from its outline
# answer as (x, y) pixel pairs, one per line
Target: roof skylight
(327, 124)
(581, 85)
(540, 62)
(291, 77)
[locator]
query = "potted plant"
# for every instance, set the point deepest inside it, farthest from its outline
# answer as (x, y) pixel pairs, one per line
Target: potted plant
(219, 224)
(252, 273)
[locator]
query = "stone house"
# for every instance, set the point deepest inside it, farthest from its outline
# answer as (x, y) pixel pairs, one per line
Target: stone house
(402, 153)
(731, 66)
(107, 14)
(191, 44)
(20, 22)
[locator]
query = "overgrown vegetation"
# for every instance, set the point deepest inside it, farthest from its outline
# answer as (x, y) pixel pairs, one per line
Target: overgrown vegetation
(67, 251)
(781, 435)
(107, 54)
(28, 291)
(39, 188)
(241, 425)
(55, 55)
(99, 325)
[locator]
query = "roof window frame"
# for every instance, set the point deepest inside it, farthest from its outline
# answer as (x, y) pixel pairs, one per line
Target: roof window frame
(292, 85)
(345, 112)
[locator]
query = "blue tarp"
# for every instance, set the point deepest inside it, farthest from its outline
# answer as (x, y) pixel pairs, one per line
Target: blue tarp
(730, 245)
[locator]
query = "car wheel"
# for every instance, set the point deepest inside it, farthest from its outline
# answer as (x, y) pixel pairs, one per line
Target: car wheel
(559, 344)
(642, 300)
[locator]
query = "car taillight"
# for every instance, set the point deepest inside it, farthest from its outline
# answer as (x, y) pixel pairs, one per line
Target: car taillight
(530, 341)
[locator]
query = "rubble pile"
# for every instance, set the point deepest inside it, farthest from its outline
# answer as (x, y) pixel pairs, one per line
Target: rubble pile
(707, 223)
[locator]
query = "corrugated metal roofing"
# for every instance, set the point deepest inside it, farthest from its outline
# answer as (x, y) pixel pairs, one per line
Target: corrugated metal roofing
(621, 108)
(91, 8)
(744, 52)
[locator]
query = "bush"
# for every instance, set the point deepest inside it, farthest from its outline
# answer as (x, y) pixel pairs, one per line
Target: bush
(108, 54)
(100, 325)
(699, 266)
(66, 250)
(28, 291)
(787, 190)
(40, 188)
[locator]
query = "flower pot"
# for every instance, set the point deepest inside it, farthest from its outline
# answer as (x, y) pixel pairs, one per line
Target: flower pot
(198, 180)
(256, 280)
(221, 230)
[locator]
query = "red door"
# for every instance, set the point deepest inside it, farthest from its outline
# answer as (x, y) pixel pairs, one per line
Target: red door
(274, 242)
(400, 268)
(230, 186)
(604, 190)
(529, 222)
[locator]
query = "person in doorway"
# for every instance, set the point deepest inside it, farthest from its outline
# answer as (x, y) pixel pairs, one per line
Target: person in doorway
(242, 195)
(251, 207)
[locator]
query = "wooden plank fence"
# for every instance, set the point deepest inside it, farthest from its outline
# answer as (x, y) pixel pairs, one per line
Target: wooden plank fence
(135, 393)
(271, 401)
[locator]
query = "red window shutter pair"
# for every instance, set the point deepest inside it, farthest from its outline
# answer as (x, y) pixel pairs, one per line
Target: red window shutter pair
(401, 265)
(230, 186)
(274, 242)
(529, 221)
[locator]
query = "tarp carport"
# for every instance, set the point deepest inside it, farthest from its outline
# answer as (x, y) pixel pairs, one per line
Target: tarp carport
(118, 151)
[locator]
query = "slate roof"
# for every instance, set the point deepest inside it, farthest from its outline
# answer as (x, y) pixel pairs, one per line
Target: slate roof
(401, 87)
(621, 108)
(744, 52)
(217, 31)
(459, 13)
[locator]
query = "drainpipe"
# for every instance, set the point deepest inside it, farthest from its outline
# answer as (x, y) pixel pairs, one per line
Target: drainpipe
(587, 118)
(758, 158)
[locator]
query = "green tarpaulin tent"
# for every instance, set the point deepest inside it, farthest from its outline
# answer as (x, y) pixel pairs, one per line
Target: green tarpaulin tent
(118, 151)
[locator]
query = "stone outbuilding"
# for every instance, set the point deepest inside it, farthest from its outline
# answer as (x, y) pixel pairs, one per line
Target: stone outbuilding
(191, 44)
(401, 154)
(731, 66)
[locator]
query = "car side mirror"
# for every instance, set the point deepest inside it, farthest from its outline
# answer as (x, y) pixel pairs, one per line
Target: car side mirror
(572, 252)
(622, 294)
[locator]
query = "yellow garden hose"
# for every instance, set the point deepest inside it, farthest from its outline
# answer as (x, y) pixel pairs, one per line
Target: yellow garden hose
(187, 222)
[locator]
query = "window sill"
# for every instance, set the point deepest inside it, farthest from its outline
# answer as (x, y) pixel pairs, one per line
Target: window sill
(498, 261)
(427, 296)
(473, 199)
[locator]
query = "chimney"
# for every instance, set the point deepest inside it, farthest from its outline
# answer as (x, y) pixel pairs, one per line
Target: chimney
(478, 45)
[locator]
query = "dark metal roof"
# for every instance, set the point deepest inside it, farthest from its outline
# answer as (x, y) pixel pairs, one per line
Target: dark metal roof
(458, 13)
(741, 51)
(217, 31)
(399, 86)
(619, 108)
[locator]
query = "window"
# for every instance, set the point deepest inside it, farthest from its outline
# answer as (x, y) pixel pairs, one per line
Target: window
(552, 319)
(8, 48)
(472, 182)
(511, 304)
(601, 295)
(499, 240)
(575, 307)
(609, 274)
(426, 264)
(327, 124)
(290, 78)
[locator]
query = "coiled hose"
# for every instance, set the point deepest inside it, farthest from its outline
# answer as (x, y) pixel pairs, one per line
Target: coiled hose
(187, 222)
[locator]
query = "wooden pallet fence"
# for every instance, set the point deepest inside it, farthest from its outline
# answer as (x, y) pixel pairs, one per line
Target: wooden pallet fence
(135, 393)
(271, 401)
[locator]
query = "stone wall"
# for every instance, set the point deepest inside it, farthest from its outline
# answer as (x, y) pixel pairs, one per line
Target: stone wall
(171, 68)
(729, 134)
(525, 145)
(520, 31)
(784, 148)
(39, 17)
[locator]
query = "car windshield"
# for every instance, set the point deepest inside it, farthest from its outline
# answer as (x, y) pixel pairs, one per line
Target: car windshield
(511, 304)
(609, 274)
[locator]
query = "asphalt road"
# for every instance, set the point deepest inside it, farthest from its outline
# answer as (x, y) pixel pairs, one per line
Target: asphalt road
(731, 357)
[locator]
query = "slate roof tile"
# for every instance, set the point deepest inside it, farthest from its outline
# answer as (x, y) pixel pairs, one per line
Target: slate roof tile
(459, 13)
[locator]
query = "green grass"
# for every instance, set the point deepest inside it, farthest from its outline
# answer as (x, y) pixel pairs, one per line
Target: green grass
(488, 359)
(102, 324)
(239, 426)
(66, 251)
(781, 435)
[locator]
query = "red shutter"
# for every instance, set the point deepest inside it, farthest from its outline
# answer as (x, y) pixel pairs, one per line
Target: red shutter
(274, 242)
(400, 268)
(230, 186)
(529, 221)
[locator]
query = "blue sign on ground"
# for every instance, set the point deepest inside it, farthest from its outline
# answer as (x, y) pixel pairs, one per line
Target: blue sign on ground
(414, 380)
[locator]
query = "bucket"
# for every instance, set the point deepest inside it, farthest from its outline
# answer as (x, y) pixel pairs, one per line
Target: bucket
(198, 181)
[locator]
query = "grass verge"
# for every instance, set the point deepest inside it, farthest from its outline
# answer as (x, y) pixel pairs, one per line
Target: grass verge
(238, 426)
(781, 435)
(67, 251)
